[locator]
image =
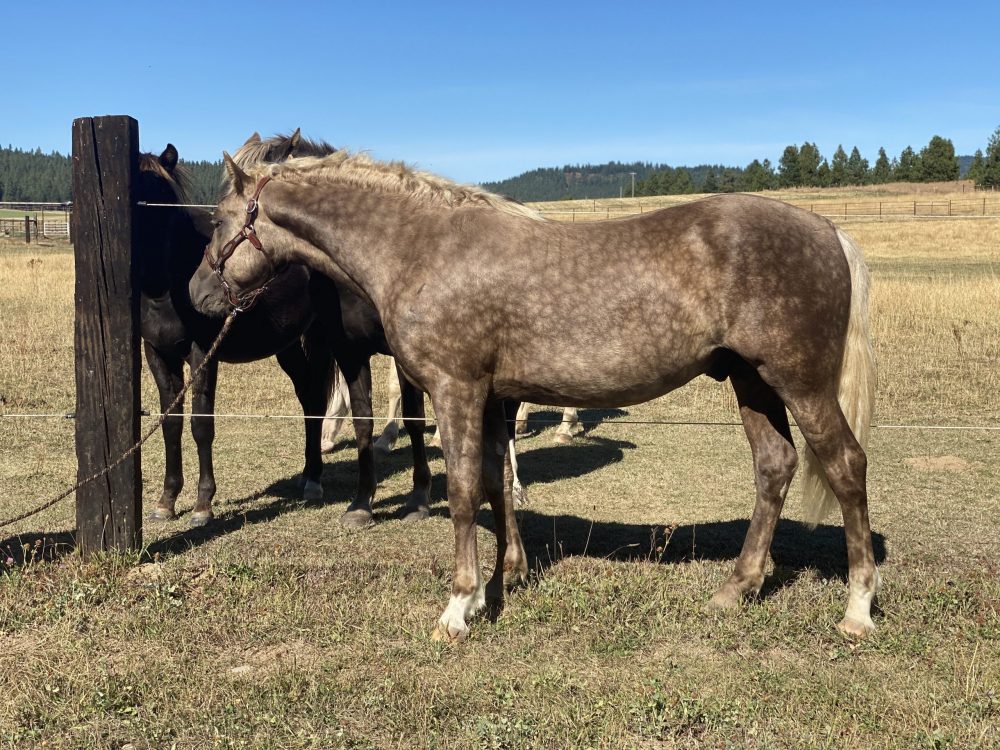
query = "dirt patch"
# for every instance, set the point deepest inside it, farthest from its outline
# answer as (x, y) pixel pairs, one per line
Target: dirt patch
(937, 463)
(254, 662)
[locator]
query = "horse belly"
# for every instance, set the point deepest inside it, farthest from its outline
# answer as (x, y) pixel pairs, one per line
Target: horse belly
(603, 377)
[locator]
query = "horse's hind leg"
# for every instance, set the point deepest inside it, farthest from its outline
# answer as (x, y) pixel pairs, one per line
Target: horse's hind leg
(511, 566)
(845, 464)
(203, 430)
(417, 505)
(766, 424)
(169, 376)
(308, 371)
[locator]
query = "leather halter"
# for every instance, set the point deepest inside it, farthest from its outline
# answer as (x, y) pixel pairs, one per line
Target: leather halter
(244, 300)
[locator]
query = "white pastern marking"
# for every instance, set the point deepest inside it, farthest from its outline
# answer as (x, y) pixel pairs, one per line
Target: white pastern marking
(460, 608)
(859, 602)
(513, 464)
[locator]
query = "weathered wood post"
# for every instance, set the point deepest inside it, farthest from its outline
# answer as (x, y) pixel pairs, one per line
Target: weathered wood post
(105, 167)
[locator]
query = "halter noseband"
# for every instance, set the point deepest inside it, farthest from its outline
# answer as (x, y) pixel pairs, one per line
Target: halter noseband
(244, 300)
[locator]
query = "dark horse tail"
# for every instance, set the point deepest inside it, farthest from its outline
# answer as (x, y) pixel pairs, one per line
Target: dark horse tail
(855, 386)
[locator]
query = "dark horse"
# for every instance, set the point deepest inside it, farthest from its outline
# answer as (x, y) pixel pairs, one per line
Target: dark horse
(302, 319)
(736, 286)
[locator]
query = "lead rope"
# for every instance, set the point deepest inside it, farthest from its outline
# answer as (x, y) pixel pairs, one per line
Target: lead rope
(148, 434)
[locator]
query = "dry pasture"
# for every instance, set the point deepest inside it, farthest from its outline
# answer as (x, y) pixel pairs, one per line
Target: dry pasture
(277, 628)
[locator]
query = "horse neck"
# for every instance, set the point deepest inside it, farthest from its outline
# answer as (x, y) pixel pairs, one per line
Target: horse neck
(172, 249)
(350, 234)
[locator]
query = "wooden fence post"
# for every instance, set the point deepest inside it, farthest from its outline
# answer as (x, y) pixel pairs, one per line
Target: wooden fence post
(27, 230)
(105, 168)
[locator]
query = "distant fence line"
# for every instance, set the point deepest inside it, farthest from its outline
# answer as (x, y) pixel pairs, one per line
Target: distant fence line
(31, 227)
(35, 224)
(921, 209)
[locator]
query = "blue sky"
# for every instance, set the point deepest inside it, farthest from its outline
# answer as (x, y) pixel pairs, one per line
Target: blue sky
(480, 92)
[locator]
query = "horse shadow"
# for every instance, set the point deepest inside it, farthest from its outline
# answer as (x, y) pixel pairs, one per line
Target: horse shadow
(547, 538)
(543, 465)
(795, 548)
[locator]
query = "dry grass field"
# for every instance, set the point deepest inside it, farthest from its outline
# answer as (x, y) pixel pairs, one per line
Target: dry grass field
(276, 628)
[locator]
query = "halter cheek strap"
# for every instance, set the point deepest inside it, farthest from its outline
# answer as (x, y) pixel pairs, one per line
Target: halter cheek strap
(245, 299)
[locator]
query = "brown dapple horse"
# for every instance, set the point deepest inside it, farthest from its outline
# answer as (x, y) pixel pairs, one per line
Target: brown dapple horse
(736, 286)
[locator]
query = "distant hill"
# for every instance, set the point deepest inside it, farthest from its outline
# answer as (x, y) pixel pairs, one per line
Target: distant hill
(585, 180)
(36, 176)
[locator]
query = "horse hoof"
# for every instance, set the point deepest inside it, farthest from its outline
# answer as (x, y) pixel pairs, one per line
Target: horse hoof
(158, 515)
(450, 634)
(855, 629)
(200, 519)
(416, 513)
(357, 518)
(561, 438)
(312, 491)
(327, 447)
(722, 601)
(435, 441)
(384, 447)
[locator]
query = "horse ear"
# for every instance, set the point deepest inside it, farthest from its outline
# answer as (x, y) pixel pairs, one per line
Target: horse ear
(168, 159)
(236, 175)
(254, 138)
(295, 139)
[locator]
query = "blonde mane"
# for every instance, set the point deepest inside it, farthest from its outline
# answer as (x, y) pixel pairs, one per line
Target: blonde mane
(396, 177)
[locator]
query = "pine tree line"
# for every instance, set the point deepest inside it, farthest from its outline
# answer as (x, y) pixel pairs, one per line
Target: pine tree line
(805, 166)
(33, 176)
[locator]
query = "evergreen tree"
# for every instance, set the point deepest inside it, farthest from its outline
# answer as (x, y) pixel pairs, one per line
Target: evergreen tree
(711, 184)
(882, 171)
(838, 167)
(788, 167)
(908, 167)
(823, 174)
(809, 160)
(977, 167)
(757, 176)
(991, 167)
(937, 161)
(857, 168)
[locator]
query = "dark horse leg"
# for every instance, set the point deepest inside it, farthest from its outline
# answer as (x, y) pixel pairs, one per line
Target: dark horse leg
(309, 367)
(168, 372)
(417, 505)
(774, 460)
(203, 430)
(357, 372)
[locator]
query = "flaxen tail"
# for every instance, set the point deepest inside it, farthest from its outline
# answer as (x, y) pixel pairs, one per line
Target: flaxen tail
(855, 388)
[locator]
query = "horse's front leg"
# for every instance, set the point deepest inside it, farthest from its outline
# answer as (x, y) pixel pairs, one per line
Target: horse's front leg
(460, 407)
(512, 411)
(357, 372)
(203, 430)
(387, 440)
(417, 505)
(168, 372)
(568, 427)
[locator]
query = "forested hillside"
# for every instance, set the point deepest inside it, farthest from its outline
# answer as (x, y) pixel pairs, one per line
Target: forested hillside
(33, 176)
